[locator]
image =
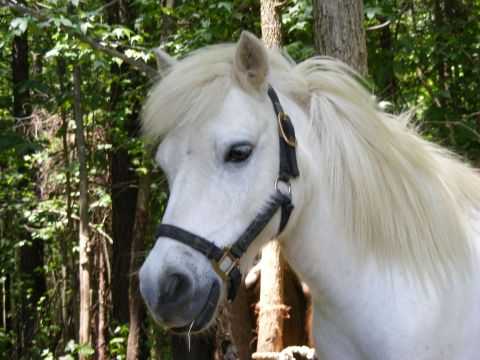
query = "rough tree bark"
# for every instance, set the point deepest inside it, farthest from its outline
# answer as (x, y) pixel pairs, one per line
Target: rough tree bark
(271, 306)
(136, 310)
(339, 31)
(167, 21)
(31, 254)
(102, 296)
(84, 331)
(271, 17)
(70, 280)
(389, 86)
(123, 191)
(20, 71)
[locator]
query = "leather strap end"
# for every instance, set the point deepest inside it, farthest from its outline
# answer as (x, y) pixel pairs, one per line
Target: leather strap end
(235, 281)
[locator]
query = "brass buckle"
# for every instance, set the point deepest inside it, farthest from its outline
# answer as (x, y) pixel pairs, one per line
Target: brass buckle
(292, 141)
(217, 265)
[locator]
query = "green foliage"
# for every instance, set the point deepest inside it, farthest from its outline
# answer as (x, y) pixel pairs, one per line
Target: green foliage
(211, 22)
(298, 29)
(118, 343)
(425, 59)
(72, 351)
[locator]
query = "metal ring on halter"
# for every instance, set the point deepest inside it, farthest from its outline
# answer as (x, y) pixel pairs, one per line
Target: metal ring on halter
(287, 183)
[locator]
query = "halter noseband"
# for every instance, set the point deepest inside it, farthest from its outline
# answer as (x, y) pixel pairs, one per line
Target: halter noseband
(225, 260)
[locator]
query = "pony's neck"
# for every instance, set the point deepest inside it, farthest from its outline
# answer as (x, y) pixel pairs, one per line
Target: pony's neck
(314, 245)
(318, 250)
(365, 195)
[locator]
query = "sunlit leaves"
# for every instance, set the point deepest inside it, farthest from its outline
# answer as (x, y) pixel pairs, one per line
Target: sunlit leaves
(442, 43)
(19, 25)
(112, 94)
(297, 21)
(371, 12)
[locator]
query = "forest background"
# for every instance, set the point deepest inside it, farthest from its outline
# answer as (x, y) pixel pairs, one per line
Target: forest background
(79, 197)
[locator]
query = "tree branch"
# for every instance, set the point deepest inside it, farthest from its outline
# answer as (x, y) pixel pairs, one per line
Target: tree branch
(427, 87)
(149, 71)
(379, 26)
(140, 66)
(106, 6)
(92, 226)
(456, 123)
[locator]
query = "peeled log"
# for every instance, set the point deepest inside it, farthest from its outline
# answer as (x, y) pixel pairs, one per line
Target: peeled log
(271, 308)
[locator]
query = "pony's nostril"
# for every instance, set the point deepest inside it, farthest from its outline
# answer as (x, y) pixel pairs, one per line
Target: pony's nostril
(175, 288)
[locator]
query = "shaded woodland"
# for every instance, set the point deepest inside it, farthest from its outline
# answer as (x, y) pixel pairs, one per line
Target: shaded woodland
(80, 195)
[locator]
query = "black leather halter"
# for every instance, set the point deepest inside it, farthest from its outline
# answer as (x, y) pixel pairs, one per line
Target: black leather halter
(225, 260)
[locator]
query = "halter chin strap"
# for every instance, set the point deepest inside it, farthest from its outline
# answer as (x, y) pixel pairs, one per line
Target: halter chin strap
(225, 260)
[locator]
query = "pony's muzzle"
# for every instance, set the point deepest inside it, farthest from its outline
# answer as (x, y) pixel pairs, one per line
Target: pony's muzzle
(176, 290)
(182, 298)
(169, 295)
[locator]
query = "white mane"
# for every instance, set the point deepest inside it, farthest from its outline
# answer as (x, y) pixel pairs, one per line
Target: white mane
(403, 199)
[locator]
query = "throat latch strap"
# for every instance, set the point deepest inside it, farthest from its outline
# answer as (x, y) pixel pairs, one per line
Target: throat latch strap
(288, 141)
(225, 260)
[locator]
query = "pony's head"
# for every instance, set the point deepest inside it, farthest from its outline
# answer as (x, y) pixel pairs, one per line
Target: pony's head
(220, 152)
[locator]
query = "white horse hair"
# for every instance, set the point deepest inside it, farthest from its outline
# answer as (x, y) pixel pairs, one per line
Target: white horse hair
(385, 229)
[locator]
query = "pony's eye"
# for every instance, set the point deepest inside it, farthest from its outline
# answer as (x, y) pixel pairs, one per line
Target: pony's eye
(238, 152)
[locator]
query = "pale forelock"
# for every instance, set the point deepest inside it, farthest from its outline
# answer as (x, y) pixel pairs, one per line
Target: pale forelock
(198, 84)
(192, 91)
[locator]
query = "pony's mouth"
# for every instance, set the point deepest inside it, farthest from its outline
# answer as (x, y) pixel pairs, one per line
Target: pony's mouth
(204, 317)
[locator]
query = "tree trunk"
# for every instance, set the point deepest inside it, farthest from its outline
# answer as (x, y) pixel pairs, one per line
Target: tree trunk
(440, 61)
(102, 296)
(339, 31)
(31, 254)
(389, 86)
(124, 197)
(271, 305)
(70, 280)
(271, 18)
(167, 22)
(20, 65)
(7, 313)
(83, 245)
(123, 190)
(235, 338)
(136, 308)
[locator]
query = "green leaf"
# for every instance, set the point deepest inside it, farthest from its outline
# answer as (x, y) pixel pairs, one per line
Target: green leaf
(19, 23)
(52, 53)
(167, 10)
(372, 12)
(75, 2)
(117, 340)
(70, 347)
(224, 4)
(85, 350)
(66, 357)
(66, 22)
(118, 32)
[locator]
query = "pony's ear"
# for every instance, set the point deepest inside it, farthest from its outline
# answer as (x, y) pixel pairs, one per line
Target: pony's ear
(164, 61)
(251, 63)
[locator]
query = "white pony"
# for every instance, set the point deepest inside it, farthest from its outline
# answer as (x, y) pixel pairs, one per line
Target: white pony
(385, 227)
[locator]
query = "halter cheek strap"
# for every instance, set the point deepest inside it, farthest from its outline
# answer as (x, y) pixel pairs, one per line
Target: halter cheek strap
(225, 260)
